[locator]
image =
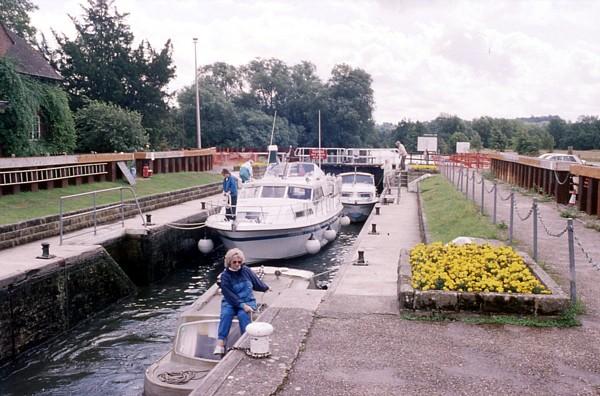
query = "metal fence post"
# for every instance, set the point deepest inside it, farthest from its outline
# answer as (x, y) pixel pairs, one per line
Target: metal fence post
(535, 231)
(399, 187)
(94, 215)
(573, 287)
(61, 219)
(512, 216)
(122, 209)
(495, 200)
(473, 186)
(453, 173)
(467, 189)
(482, 192)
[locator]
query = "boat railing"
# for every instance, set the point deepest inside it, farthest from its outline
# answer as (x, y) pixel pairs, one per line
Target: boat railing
(269, 214)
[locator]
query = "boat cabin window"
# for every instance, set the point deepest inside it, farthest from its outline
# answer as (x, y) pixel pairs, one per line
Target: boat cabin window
(351, 179)
(272, 192)
(346, 194)
(348, 179)
(367, 179)
(299, 192)
(318, 194)
(249, 192)
(365, 195)
(275, 170)
(300, 169)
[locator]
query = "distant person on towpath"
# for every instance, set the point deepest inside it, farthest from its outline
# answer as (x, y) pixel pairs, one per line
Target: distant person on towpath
(230, 189)
(237, 285)
(246, 171)
(402, 152)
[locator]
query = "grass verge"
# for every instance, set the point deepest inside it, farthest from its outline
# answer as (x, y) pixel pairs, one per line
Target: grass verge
(567, 319)
(450, 215)
(30, 205)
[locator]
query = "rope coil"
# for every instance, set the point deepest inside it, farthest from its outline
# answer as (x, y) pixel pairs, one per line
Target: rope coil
(586, 254)
(181, 377)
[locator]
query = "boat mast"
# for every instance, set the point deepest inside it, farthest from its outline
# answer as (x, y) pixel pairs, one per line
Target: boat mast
(273, 128)
(272, 149)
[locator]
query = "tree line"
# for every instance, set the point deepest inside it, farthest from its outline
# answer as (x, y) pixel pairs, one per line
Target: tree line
(118, 100)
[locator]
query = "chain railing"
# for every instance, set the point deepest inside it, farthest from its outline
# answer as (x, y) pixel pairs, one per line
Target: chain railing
(450, 172)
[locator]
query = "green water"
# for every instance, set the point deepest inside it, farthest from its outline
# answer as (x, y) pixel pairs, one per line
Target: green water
(108, 355)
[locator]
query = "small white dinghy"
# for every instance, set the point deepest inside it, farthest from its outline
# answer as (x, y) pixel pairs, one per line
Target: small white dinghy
(182, 369)
(359, 195)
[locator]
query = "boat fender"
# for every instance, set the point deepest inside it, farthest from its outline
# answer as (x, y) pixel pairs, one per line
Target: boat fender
(312, 245)
(330, 234)
(345, 220)
(205, 245)
(260, 339)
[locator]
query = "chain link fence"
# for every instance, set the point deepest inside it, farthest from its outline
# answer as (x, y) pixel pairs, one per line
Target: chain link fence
(456, 174)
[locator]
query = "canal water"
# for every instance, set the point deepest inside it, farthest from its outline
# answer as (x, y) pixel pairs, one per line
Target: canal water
(108, 355)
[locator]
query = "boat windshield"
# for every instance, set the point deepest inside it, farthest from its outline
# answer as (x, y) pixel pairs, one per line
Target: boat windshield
(272, 192)
(300, 169)
(276, 170)
(356, 178)
(249, 192)
(299, 192)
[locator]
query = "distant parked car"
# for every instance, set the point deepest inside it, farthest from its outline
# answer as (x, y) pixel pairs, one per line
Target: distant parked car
(562, 157)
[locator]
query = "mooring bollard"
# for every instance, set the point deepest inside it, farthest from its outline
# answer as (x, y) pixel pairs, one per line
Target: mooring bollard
(148, 219)
(46, 252)
(373, 229)
(203, 205)
(377, 208)
(573, 288)
(361, 257)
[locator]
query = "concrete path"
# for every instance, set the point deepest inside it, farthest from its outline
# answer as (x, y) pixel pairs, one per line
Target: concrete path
(19, 262)
(360, 345)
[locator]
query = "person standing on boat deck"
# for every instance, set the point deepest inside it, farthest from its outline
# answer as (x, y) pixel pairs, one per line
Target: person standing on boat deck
(237, 283)
(246, 171)
(230, 188)
(402, 152)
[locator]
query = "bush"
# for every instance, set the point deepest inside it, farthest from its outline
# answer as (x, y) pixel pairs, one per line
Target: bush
(106, 128)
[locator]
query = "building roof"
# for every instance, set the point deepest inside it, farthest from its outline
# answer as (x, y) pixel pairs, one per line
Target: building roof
(27, 60)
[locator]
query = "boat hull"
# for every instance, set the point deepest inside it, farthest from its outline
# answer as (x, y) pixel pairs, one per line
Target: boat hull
(273, 244)
(358, 212)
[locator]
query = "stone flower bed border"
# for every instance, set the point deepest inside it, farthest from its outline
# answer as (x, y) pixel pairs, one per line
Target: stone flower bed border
(481, 302)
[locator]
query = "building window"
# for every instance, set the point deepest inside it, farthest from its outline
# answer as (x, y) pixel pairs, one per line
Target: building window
(36, 128)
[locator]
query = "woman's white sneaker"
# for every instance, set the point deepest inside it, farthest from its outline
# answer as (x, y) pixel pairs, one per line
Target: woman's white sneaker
(219, 350)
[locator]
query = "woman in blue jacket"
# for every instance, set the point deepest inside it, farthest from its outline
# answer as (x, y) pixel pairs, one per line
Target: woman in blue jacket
(237, 284)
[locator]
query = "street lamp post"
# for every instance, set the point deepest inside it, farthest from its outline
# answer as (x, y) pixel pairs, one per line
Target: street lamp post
(198, 130)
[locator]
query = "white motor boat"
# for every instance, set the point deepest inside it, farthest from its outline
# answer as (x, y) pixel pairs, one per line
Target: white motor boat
(182, 369)
(293, 210)
(359, 195)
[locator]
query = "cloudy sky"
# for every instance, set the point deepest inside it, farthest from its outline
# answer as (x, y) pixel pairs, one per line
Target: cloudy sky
(502, 58)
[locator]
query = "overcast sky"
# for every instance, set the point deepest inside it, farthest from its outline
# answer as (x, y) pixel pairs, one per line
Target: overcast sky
(500, 58)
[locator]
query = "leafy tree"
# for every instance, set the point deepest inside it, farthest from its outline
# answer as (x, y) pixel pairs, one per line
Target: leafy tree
(476, 143)
(30, 98)
(14, 14)
(558, 129)
(269, 81)
(100, 64)
(348, 106)
(526, 144)
(455, 138)
(106, 127)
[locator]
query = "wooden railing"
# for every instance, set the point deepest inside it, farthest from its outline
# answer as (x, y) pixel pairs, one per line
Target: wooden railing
(8, 178)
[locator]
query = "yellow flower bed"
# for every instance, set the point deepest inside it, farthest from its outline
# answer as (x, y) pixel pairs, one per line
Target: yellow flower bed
(426, 168)
(472, 268)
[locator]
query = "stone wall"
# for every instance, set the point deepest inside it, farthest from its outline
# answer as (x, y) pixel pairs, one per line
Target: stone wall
(44, 227)
(50, 301)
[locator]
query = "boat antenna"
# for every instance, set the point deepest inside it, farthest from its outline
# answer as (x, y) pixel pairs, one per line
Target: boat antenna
(319, 138)
(273, 128)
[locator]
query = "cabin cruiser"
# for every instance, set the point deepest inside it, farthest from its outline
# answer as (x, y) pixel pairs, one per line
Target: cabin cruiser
(359, 195)
(293, 210)
(182, 369)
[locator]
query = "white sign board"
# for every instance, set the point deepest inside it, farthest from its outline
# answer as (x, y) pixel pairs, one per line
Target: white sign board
(428, 143)
(463, 147)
